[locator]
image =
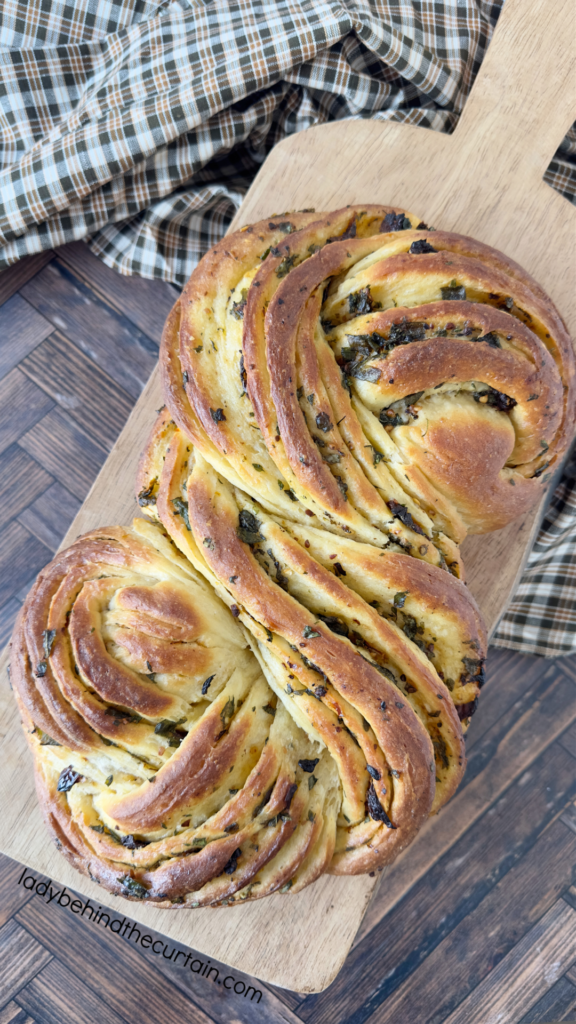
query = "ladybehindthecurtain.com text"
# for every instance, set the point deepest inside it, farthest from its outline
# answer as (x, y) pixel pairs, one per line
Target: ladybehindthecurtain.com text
(129, 930)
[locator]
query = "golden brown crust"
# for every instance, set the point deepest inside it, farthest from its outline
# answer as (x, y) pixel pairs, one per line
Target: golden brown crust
(263, 333)
(398, 732)
(412, 621)
(164, 768)
(215, 359)
(404, 280)
(273, 679)
(474, 454)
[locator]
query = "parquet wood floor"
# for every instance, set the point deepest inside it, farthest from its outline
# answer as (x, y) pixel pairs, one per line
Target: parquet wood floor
(476, 924)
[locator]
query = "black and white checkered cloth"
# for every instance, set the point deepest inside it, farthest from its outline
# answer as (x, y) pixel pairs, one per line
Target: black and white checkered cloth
(542, 617)
(139, 126)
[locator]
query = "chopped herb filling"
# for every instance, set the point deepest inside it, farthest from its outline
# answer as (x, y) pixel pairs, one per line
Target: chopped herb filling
(374, 807)
(181, 509)
(248, 529)
(401, 512)
(68, 777)
(420, 246)
(454, 292)
(395, 222)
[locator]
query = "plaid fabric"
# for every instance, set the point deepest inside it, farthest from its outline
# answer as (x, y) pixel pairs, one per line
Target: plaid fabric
(542, 617)
(139, 126)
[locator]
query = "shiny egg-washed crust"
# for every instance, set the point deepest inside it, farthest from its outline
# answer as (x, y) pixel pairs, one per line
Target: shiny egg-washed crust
(193, 754)
(166, 768)
(218, 389)
(387, 380)
(347, 633)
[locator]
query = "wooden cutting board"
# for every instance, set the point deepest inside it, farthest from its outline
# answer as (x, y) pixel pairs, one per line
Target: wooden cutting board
(485, 180)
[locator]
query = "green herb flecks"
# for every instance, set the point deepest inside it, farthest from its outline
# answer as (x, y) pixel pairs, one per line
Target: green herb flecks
(227, 712)
(237, 308)
(147, 495)
(361, 302)
(248, 529)
(133, 888)
(181, 509)
(285, 266)
(453, 292)
(48, 638)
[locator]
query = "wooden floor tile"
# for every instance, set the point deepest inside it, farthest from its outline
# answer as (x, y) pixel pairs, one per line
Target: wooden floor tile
(22, 481)
(8, 612)
(12, 895)
(14, 1014)
(558, 1004)
(526, 972)
(570, 897)
(22, 404)
(49, 517)
(21, 330)
(509, 676)
(551, 698)
(87, 394)
(69, 455)
(25, 588)
(145, 303)
(14, 277)
(59, 997)
(568, 740)
(93, 944)
(107, 337)
(21, 556)
(571, 973)
(567, 665)
(569, 817)
(290, 999)
(21, 957)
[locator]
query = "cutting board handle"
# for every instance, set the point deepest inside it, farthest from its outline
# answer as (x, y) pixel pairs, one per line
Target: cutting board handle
(522, 102)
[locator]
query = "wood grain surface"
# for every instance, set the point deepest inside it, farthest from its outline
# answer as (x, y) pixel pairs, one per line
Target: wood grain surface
(70, 393)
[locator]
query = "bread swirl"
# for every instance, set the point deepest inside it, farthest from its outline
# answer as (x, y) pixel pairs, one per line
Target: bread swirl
(176, 765)
(400, 384)
(214, 345)
(164, 768)
(412, 624)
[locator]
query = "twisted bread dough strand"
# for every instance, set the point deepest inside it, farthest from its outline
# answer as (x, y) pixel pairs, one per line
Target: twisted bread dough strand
(391, 385)
(412, 623)
(217, 386)
(166, 768)
(171, 764)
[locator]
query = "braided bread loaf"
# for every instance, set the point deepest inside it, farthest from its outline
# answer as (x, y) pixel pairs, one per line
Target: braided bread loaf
(164, 766)
(175, 765)
(272, 679)
(387, 381)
